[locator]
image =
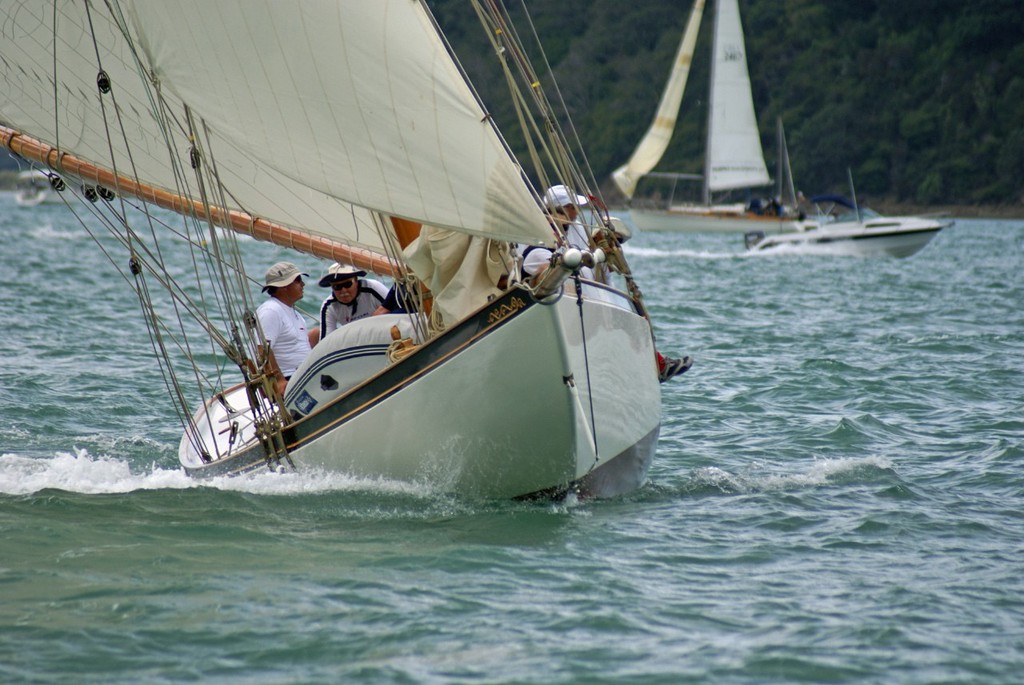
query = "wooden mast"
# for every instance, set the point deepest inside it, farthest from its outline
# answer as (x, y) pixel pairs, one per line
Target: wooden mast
(240, 222)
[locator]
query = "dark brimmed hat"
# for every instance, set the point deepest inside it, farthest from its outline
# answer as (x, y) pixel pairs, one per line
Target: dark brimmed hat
(281, 274)
(340, 272)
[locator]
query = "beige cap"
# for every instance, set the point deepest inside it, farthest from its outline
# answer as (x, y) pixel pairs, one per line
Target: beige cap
(282, 274)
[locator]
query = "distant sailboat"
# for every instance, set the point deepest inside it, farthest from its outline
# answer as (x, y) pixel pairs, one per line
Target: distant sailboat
(343, 130)
(734, 158)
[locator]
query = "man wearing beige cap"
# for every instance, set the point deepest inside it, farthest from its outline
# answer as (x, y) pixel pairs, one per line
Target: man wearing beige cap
(283, 326)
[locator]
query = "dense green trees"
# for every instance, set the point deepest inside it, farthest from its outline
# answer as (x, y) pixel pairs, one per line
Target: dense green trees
(922, 99)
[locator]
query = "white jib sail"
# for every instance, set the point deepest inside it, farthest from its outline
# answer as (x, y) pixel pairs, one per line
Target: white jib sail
(734, 155)
(654, 143)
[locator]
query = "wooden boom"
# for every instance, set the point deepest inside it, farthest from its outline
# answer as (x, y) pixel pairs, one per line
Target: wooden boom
(238, 221)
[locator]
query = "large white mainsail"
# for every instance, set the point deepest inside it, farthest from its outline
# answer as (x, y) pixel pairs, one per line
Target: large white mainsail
(69, 39)
(359, 101)
(654, 143)
(387, 122)
(734, 157)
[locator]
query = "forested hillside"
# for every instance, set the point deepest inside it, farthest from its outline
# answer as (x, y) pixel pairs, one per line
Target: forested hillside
(922, 99)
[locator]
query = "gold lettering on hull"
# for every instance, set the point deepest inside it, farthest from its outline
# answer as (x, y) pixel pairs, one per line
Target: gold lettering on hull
(506, 310)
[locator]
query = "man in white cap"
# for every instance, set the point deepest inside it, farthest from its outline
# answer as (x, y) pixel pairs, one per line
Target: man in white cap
(564, 206)
(353, 297)
(283, 326)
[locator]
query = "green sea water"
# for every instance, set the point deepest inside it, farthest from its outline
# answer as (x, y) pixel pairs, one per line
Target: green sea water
(837, 497)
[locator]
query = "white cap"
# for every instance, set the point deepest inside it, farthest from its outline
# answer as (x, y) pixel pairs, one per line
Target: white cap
(560, 196)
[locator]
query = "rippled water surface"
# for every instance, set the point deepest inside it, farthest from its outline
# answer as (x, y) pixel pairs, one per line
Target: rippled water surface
(837, 497)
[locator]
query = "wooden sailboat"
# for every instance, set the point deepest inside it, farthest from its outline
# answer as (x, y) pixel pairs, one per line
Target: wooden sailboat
(343, 130)
(733, 157)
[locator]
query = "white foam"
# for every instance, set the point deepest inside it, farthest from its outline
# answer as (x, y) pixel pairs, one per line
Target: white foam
(820, 472)
(653, 252)
(47, 232)
(83, 473)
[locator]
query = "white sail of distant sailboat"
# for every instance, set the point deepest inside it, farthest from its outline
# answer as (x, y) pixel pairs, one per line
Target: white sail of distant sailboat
(343, 130)
(733, 156)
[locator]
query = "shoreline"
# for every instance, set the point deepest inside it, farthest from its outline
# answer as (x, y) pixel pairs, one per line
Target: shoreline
(1015, 211)
(892, 208)
(8, 180)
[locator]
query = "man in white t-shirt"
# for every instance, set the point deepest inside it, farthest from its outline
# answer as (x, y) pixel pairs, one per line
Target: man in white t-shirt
(283, 326)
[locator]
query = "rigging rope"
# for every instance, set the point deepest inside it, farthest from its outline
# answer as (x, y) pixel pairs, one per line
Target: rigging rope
(141, 286)
(207, 254)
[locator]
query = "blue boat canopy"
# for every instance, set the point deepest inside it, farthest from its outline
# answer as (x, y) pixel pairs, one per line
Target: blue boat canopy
(838, 199)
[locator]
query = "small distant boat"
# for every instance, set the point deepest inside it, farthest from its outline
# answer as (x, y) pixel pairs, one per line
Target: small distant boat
(848, 229)
(733, 156)
(33, 188)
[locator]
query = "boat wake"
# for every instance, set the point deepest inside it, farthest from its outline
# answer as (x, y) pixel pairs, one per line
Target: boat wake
(760, 478)
(836, 249)
(656, 253)
(83, 473)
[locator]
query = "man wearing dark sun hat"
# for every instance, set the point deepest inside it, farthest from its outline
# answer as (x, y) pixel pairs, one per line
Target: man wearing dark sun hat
(353, 297)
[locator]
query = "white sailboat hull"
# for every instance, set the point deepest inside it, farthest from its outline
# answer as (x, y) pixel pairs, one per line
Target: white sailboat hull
(712, 219)
(511, 403)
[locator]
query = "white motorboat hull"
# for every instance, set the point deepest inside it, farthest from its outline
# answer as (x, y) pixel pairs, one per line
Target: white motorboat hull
(716, 219)
(510, 403)
(887, 236)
